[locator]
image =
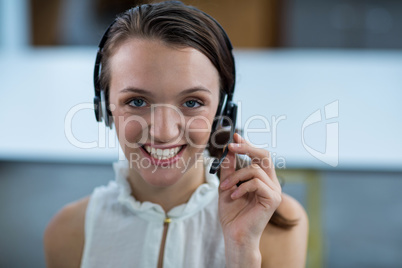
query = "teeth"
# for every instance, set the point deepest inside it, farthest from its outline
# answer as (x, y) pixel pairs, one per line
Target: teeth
(162, 153)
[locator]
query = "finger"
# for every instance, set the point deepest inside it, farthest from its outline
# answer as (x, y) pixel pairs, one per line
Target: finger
(258, 156)
(228, 165)
(248, 173)
(259, 188)
(237, 138)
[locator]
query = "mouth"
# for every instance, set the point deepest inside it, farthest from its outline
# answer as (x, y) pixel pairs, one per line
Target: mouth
(163, 154)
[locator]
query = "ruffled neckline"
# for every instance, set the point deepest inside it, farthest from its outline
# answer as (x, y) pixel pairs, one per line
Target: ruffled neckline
(151, 211)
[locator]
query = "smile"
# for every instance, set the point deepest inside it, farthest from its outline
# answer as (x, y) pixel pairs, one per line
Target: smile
(162, 154)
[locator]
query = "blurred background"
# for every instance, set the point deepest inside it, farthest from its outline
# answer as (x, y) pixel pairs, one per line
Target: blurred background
(322, 78)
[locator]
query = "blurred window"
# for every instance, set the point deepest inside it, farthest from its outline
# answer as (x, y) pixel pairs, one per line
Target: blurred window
(341, 24)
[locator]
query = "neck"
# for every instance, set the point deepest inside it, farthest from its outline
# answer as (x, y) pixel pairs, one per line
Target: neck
(171, 196)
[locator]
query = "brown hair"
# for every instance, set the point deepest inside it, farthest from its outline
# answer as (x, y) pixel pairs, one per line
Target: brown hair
(179, 25)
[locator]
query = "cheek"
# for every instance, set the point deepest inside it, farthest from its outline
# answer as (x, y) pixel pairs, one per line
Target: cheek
(130, 129)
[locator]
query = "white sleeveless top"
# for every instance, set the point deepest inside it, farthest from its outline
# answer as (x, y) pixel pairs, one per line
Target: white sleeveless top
(123, 232)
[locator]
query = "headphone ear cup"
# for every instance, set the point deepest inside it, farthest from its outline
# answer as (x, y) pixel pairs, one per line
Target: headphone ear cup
(233, 113)
(230, 115)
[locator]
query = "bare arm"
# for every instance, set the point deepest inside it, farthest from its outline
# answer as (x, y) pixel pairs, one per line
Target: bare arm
(64, 236)
(286, 248)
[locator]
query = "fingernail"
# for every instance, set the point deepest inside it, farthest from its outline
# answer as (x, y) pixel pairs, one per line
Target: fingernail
(235, 145)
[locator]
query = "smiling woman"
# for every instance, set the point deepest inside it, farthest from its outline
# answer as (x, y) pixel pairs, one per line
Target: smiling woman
(166, 71)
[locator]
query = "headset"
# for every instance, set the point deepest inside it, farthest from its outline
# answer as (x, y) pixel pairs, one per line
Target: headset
(226, 114)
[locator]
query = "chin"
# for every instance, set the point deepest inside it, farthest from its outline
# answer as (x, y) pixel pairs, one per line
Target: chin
(161, 177)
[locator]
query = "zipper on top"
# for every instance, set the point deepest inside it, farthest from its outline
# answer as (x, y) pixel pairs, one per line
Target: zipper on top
(166, 222)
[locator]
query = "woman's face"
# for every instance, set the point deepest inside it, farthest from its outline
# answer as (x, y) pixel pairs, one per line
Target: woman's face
(163, 101)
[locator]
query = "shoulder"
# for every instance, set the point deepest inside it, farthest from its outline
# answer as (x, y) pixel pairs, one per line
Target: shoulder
(64, 235)
(286, 247)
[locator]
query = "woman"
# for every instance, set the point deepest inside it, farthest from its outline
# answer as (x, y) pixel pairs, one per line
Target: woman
(165, 69)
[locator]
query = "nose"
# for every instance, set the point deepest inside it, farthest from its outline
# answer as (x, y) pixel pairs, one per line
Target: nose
(166, 124)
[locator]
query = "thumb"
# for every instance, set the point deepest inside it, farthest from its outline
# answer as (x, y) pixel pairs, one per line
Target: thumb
(228, 165)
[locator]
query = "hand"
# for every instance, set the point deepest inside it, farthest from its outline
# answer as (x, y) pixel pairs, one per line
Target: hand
(245, 210)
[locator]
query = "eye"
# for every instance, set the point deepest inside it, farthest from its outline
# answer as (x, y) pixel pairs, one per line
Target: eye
(137, 102)
(192, 104)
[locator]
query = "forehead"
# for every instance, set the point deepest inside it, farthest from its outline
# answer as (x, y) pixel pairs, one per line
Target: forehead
(153, 65)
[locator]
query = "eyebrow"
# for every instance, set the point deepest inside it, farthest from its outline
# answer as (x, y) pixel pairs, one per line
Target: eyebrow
(135, 90)
(184, 92)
